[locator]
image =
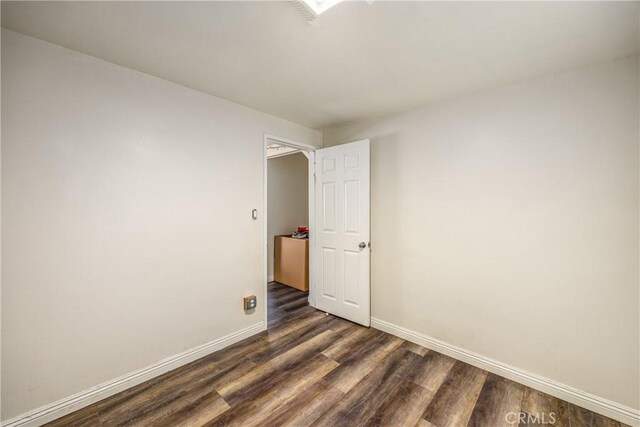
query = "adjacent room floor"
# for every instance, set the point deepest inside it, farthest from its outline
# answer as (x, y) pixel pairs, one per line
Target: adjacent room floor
(310, 368)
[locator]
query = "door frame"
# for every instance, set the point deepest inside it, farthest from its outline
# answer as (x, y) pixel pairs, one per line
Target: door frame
(310, 152)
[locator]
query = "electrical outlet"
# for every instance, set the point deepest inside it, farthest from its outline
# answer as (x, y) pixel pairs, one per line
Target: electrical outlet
(250, 302)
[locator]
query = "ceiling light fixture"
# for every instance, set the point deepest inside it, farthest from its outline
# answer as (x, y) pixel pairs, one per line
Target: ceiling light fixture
(318, 6)
(311, 9)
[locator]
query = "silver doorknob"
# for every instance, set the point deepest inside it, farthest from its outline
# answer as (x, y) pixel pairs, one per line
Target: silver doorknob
(362, 245)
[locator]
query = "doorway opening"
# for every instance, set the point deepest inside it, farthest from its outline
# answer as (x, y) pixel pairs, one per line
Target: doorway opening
(288, 227)
(338, 223)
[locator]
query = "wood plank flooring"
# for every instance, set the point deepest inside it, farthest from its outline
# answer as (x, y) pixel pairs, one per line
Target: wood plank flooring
(312, 369)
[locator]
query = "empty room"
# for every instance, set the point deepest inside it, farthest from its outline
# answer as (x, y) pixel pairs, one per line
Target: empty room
(320, 213)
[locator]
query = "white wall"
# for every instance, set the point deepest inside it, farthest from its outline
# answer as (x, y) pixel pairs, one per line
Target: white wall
(126, 219)
(506, 223)
(287, 198)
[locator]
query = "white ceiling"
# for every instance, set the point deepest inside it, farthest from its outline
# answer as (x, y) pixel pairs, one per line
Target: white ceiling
(356, 61)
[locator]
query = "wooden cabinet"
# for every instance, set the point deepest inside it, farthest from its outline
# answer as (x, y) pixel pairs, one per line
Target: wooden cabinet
(292, 262)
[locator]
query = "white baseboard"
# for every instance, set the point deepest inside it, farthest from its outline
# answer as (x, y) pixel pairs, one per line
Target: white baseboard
(63, 407)
(270, 279)
(583, 399)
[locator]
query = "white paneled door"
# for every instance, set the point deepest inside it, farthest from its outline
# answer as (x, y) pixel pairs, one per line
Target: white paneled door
(342, 231)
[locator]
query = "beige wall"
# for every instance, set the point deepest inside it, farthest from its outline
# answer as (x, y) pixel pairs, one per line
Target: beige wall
(287, 198)
(506, 223)
(126, 219)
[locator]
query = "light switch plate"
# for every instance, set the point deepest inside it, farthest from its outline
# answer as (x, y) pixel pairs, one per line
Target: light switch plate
(250, 302)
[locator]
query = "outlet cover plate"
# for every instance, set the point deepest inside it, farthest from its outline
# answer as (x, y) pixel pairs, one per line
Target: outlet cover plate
(250, 302)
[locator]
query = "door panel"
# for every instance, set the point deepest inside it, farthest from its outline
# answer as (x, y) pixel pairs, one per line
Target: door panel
(328, 273)
(342, 212)
(329, 202)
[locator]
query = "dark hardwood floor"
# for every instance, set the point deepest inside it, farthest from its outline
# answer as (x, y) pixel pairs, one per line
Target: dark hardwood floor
(313, 369)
